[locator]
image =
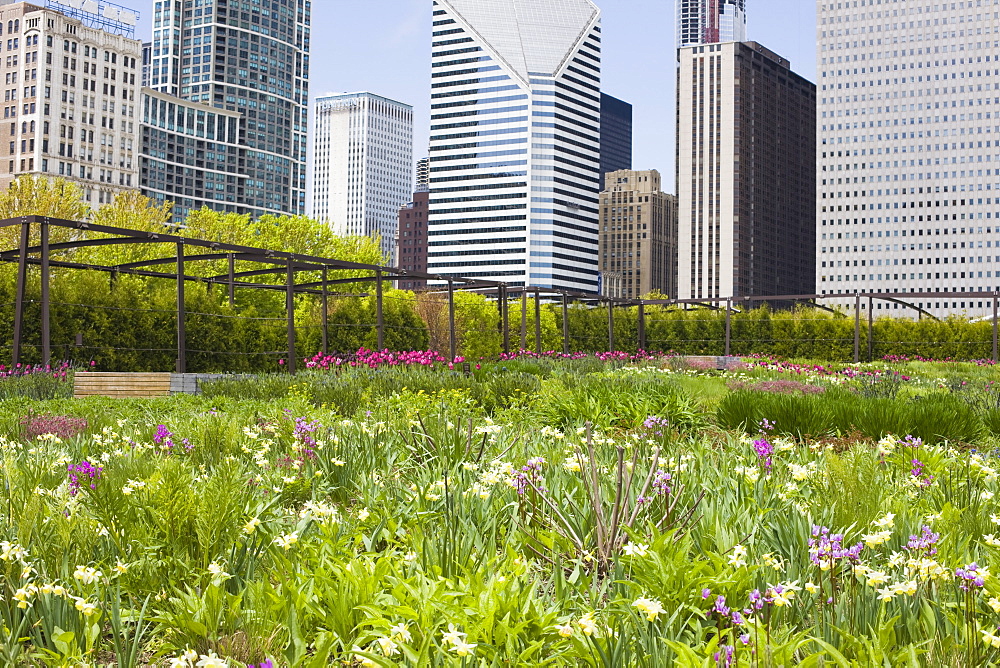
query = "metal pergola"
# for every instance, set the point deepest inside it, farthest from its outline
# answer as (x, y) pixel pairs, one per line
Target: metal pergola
(278, 263)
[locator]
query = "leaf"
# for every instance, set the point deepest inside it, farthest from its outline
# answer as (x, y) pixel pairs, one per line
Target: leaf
(834, 652)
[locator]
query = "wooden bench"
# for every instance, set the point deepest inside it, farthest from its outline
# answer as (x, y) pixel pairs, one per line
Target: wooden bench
(101, 384)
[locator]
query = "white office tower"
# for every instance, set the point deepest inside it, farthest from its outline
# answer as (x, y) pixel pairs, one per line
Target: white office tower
(515, 141)
(362, 151)
(710, 22)
(909, 167)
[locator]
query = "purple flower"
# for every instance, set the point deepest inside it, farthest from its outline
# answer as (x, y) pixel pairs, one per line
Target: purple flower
(969, 576)
(925, 541)
(724, 657)
(826, 548)
(764, 451)
(83, 474)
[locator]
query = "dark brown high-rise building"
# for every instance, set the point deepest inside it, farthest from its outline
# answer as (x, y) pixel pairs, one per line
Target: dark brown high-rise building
(411, 240)
(746, 174)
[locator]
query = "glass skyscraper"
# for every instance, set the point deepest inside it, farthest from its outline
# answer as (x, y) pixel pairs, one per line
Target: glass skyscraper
(250, 57)
(515, 141)
(710, 22)
(616, 134)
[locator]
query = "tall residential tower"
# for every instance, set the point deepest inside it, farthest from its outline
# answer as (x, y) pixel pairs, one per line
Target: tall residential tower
(515, 141)
(249, 57)
(710, 21)
(362, 173)
(909, 190)
(746, 174)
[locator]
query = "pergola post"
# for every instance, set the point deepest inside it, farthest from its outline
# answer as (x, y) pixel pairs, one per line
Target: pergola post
(729, 325)
(181, 316)
(857, 327)
(21, 289)
(565, 323)
(611, 325)
(524, 318)
(871, 331)
(46, 314)
(232, 280)
(379, 316)
(451, 320)
(325, 308)
(505, 318)
(290, 314)
(538, 322)
(642, 327)
(996, 352)
(500, 322)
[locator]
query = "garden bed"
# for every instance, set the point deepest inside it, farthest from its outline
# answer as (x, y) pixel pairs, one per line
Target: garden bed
(626, 511)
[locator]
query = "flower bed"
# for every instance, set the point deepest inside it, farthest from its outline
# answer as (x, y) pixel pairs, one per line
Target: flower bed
(532, 512)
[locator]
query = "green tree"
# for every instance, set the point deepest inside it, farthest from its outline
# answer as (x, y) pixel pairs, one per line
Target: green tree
(40, 196)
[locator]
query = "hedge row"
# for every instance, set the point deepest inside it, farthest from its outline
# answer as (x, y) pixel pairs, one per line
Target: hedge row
(130, 325)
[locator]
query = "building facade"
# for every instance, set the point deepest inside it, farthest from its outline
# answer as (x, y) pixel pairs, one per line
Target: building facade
(909, 174)
(746, 174)
(423, 173)
(362, 171)
(191, 155)
(616, 135)
(515, 142)
(70, 96)
(638, 235)
(710, 22)
(411, 240)
(250, 57)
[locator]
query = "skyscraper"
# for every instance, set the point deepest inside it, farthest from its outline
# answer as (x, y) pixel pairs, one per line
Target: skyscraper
(616, 134)
(71, 96)
(411, 240)
(909, 176)
(710, 21)
(423, 174)
(362, 151)
(638, 235)
(250, 57)
(515, 141)
(746, 173)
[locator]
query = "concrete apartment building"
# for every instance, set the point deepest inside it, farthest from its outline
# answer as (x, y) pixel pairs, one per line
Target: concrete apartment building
(70, 95)
(746, 173)
(909, 172)
(638, 238)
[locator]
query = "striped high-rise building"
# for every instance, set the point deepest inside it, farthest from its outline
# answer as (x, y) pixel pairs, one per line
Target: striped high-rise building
(515, 141)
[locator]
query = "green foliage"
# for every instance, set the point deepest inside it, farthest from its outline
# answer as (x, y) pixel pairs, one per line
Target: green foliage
(933, 418)
(340, 518)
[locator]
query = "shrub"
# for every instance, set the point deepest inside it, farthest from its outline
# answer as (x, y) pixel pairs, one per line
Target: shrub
(65, 428)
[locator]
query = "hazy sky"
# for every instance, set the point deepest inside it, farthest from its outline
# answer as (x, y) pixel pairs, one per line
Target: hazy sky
(383, 46)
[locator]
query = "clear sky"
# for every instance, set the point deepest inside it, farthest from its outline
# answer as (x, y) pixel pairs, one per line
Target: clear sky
(383, 46)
